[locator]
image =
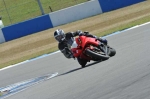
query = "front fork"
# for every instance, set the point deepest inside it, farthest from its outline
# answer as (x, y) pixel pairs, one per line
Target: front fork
(104, 48)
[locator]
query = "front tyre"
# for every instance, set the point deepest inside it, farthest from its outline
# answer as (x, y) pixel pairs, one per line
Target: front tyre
(112, 52)
(96, 55)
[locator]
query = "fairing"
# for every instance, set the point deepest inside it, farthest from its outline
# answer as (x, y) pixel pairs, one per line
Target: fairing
(83, 42)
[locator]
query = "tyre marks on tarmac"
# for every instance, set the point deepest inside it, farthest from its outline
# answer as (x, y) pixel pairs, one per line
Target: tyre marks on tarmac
(20, 86)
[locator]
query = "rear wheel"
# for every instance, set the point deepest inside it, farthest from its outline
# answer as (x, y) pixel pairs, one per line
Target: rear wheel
(96, 54)
(82, 62)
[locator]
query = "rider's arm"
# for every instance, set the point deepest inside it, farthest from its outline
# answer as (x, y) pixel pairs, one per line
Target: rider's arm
(78, 33)
(65, 50)
(69, 35)
(87, 34)
(73, 34)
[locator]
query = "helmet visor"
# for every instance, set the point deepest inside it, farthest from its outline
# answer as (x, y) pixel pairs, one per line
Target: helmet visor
(59, 37)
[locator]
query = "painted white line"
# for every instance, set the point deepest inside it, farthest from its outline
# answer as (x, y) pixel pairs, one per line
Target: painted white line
(115, 33)
(45, 55)
(14, 65)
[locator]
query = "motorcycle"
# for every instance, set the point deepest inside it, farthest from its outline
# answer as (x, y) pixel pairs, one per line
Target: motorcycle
(87, 49)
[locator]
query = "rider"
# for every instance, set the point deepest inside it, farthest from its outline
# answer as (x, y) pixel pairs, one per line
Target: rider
(66, 39)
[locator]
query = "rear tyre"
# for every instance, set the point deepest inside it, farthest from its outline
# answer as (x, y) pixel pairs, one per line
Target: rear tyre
(82, 62)
(96, 55)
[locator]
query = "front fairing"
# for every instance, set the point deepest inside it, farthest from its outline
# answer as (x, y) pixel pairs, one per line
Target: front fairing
(86, 41)
(81, 43)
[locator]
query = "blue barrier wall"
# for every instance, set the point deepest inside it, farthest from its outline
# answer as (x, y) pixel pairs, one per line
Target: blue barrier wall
(109, 5)
(27, 27)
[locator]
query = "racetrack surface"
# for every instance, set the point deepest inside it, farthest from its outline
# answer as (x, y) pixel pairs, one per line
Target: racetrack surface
(124, 76)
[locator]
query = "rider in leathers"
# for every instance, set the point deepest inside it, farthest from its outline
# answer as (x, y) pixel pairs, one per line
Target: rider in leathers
(66, 39)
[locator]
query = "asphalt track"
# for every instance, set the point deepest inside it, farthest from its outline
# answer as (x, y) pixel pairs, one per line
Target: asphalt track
(124, 76)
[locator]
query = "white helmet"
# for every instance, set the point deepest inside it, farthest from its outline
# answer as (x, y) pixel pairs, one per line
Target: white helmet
(59, 35)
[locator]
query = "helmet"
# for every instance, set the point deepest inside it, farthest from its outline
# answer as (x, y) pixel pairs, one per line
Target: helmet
(59, 35)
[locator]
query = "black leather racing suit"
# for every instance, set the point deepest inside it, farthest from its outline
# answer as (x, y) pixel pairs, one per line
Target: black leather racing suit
(65, 46)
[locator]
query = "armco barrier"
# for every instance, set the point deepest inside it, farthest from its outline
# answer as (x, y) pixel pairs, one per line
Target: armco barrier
(27, 27)
(109, 5)
(74, 13)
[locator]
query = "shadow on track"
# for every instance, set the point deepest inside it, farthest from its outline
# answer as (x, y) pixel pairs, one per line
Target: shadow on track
(93, 63)
(80, 68)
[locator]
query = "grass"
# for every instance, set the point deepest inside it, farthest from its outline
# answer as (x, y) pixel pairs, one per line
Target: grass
(14, 11)
(125, 26)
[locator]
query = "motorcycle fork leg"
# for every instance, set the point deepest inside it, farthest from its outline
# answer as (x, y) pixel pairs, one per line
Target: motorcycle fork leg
(104, 49)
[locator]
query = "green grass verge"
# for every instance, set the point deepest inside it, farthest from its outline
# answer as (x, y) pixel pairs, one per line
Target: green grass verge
(46, 51)
(125, 26)
(50, 50)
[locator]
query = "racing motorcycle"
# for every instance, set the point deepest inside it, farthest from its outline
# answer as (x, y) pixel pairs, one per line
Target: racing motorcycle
(87, 48)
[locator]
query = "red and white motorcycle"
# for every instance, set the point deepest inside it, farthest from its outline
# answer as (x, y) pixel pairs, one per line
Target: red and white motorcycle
(87, 48)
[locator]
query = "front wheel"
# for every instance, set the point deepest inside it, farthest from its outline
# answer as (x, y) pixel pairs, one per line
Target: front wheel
(96, 55)
(111, 52)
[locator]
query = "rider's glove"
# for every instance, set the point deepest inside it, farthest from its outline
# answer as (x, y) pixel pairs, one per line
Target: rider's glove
(79, 32)
(86, 32)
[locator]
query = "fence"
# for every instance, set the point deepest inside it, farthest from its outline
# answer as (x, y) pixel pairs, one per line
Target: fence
(14, 11)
